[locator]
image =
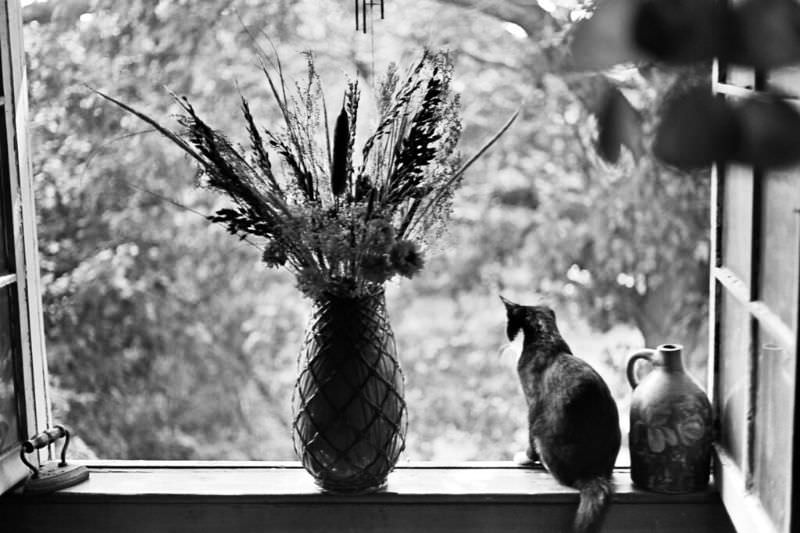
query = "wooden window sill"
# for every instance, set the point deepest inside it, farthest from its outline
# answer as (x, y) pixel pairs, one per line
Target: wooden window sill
(227, 497)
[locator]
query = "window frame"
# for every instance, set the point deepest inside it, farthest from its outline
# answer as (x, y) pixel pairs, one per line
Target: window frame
(742, 507)
(737, 482)
(34, 415)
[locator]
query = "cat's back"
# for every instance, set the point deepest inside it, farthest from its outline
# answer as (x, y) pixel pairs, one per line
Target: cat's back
(578, 388)
(580, 399)
(570, 374)
(579, 422)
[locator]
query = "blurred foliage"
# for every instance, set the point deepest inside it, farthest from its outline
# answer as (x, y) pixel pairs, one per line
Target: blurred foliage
(168, 339)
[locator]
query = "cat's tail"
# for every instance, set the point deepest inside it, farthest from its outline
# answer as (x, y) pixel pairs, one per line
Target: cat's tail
(595, 499)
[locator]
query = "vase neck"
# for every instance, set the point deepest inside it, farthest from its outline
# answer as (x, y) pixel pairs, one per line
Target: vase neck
(350, 308)
(670, 357)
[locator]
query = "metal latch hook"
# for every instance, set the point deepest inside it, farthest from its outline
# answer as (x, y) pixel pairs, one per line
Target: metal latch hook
(51, 476)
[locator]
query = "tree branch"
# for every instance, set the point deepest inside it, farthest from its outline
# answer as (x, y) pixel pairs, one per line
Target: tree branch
(47, 11)
(524, 13)
(493, 63)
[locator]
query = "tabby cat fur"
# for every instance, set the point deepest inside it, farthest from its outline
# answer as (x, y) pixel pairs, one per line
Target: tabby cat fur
(573, 422)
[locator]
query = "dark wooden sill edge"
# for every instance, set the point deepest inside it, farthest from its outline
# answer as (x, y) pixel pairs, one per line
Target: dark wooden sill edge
(281, 498)
(134, 481)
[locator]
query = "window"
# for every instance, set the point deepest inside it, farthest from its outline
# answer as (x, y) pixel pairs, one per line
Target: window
(755, 279)
(753, 212)
(23, 404)
(160, 348)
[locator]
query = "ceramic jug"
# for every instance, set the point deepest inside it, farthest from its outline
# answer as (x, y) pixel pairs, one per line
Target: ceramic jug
(670, 431)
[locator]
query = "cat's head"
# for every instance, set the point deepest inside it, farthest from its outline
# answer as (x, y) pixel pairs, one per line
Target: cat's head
(534, 320)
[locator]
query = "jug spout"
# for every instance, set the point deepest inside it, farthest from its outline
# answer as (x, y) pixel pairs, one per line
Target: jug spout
(670, 356)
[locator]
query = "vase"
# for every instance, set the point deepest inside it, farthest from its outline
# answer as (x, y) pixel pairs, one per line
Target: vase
(670, 425)
(350, 414)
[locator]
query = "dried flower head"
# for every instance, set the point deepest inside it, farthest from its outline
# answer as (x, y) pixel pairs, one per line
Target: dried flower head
(274, 255)
(380, 235)
(406, 258)
(376, 268)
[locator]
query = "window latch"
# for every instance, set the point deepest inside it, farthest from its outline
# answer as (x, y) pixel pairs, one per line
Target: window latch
(54, 475)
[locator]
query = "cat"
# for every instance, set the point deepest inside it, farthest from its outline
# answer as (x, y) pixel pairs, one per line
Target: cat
(573, 422)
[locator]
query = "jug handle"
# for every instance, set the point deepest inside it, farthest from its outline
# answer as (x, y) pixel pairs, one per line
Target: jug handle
(646, 353)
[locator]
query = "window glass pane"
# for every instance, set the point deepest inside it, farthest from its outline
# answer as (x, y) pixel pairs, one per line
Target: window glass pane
(6, 233)
(741, 77)
(9, 430)
(737, 220)
(785, 81)
(5, 240)
(156, 320)
(779, 253)
(773, 428)
(734, 346)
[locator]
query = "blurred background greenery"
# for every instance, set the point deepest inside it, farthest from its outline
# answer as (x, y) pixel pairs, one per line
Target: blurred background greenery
(167, 339)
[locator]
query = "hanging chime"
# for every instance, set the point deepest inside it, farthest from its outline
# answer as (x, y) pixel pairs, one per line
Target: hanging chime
(361, 12)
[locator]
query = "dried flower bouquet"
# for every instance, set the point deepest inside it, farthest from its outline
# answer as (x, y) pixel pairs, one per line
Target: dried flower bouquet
(344, 222)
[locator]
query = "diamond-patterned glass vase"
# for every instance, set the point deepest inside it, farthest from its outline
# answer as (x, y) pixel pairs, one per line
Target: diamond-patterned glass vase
(349, 409)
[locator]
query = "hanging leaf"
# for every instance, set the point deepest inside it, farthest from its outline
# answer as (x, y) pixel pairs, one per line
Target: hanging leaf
(680, 31)
(767, 34)
(618, 124)
(341, 144)
(763, 34)
(696, 129)
(770, 132)
(605, 39)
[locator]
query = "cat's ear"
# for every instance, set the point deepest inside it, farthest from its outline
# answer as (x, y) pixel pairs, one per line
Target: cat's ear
(514, 315)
